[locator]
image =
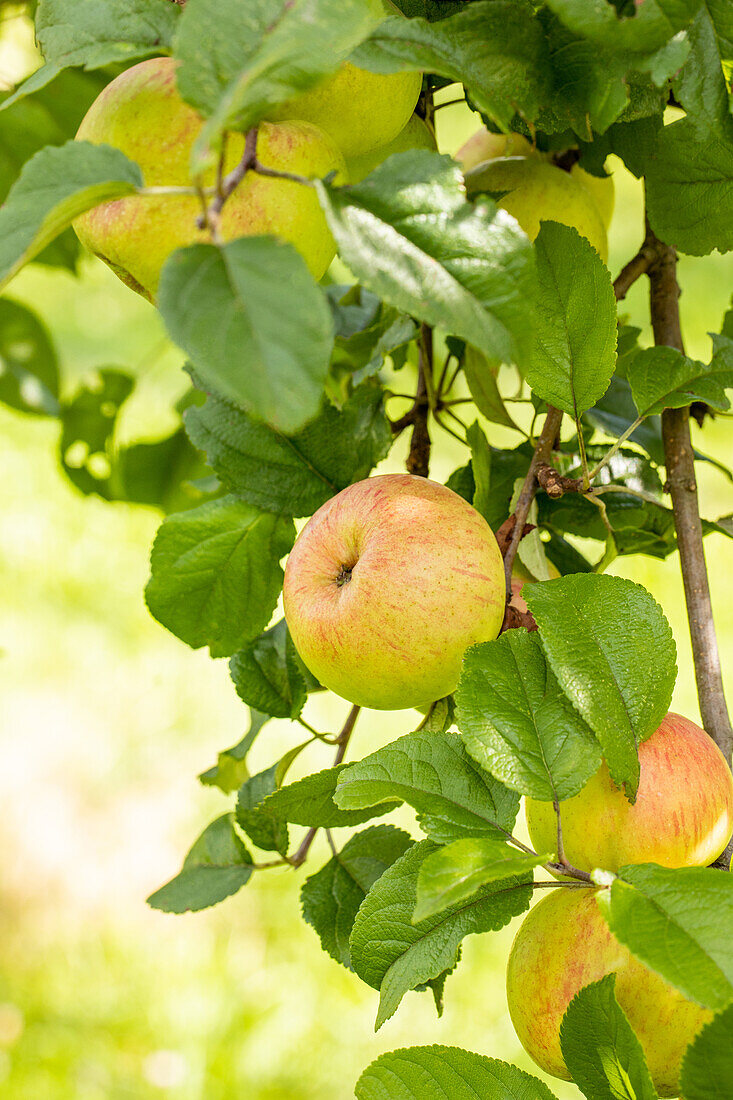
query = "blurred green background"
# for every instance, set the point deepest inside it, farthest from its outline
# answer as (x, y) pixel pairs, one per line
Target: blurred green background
(106, 720)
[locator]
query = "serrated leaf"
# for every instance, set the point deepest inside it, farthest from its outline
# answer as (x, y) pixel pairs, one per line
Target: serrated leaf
(55, 186)
(293, 474)
(615, 412)
(574, 351)
(217, 304)
(601, 1051)
(611, 648)
(689, 183)
(411, 212)
(266, 675)
(456, 871)
(331, 897)
(29, 373)
(663, 378)
(679, 923)
(393, 955)
(433, 773)
(438, 1072)
(264, 830)
(216, 867)
(707, 1067)
(310, 802)
(650, 26)
(481, 468)
(517, 722)
(497, 50)
(215, 573)
(160, 473)
(238, 60)
(96, 33)
(231, 770)
(700, 87)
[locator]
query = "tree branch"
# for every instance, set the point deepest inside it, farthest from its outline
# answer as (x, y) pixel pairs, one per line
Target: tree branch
(418, 460)
(541, 456)
(679, 461)
(635, 268)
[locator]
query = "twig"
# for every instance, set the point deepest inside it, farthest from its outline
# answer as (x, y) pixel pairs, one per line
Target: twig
(542, 453)
(634, 269)
(299, 857)
(555, 484)
(418, 460)
(679, 462)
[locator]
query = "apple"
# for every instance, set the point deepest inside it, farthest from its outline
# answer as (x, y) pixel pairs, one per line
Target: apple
(387, 586)
(416, 135)
(564, 944)
(683, 814)
(360, 110)
(141, 113)
(532, 190)
(485, 145)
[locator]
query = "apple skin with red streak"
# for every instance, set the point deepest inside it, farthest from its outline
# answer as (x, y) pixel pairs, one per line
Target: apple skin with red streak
(564, 944)
(683, 814)
(387, 586)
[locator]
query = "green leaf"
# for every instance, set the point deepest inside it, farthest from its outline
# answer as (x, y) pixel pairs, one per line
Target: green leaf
(480, 377)
(96, 33)
(496, 50)
(439, 1072)
(393, 955)
(601, 1051)
(29, 372)
(517, 722)
(216, 299)
(433, 773)
(217, 866)
(293, 474)
(231, 770)
(238, 61)
(615, 412)
(310, 802)
(267, 674)
(574, 350)
(456, 871)
(688, 188)
(331, 897)
(88, 424)
(366, 329)
(160, 473)
(264, 830)
(609, 645)
(411, 212)
(707, 1068)
(700, 87)
(679, 923)
(650, 26)
(216, 575)
(481, 468)
(55, 186)
(663, 378)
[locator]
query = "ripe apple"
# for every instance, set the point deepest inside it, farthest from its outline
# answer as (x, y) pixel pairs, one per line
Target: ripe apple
(533, 190)
(360, 110)
(564, 944)
(683, 814)
(416, 135)
(142, 114)
(387, 586)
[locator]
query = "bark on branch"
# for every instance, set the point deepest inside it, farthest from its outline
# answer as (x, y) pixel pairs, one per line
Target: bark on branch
(679, 461)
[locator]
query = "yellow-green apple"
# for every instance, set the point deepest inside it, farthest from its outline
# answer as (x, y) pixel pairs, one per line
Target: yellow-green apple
(683, 814)
(387, 586)
(601, 190)
(485, 145)
(532, 190)
(416, 135)
(564, 944)
(360, 110)
(141, 113)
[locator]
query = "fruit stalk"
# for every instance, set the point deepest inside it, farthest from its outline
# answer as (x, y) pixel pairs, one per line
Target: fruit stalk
(679, 460)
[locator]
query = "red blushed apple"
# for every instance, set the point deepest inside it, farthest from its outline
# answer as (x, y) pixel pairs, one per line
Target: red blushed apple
(387, 586)
(564, 944)
(683, 814)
